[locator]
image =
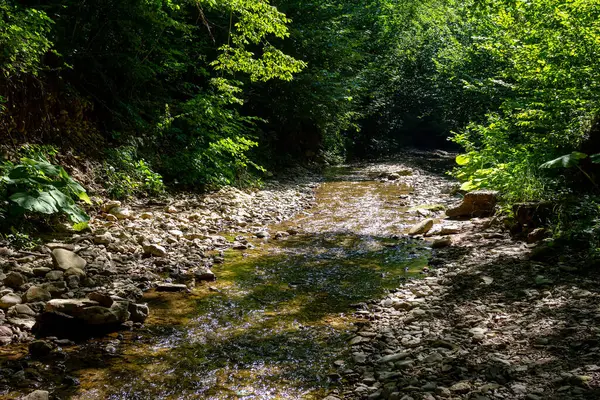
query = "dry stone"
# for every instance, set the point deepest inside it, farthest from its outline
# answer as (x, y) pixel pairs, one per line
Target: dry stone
(65, 259)
(422, 227)
(480, 203)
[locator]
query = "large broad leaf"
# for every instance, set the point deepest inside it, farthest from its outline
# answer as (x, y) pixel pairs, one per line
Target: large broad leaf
(42, 202)
(566, 161)
(43, 166)
(595, 158)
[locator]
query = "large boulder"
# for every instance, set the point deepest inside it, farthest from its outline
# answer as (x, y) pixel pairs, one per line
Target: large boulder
(65, 259)
(480, 203)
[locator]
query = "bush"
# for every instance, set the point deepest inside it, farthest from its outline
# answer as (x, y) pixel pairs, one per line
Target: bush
(38, 188)
(128, 175)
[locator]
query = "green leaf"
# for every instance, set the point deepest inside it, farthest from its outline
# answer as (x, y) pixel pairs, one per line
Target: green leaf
(463, 159)
(37, 202)
(595, 158)
(81, 226)
(566, 161)
(469, 185)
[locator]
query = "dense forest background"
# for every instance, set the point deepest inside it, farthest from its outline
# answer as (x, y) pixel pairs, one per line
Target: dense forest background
(203, 93)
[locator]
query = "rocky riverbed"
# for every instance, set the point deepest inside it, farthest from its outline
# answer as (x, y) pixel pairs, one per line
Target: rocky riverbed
(369, 292)
(96, 280)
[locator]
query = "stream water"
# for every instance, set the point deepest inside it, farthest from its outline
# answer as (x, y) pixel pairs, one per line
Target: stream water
(277, 321)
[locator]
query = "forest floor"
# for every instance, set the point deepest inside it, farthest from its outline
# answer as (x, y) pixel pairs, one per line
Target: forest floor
(319, 294)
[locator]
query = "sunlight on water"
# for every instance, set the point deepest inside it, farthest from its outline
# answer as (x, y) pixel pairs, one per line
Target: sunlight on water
(283, 312)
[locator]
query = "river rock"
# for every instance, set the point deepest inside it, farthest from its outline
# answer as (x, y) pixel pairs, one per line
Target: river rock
(55, 288)
(171, 287)
(121, 213)
(41, 271)
(74, 272)
(103, 299)
(204, 274)
(40, 348)
(461, 387)
(105, 238)
(37, 395)
(55, 275)
(480, 203)
(98, 315)
(9, 300)
(109, 205)
(139, 312)
(65, 259)
(21, 309)
(155, 250)
(5, 335)
(72, 307)
(442, 242)
(146, 215)
(14, 280)
(422, 227)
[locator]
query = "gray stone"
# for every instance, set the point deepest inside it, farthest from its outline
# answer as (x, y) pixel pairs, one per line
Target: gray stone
(9, 300)
(24, 322)
(105, 238)
(75, 272)
(109, 205)
(155, 250)
(65, 259)
(73, 307)
(5, 335)
(103, 299)
(120, 213)
(14, 280)
(393, 357)
(461, 387)
(204, 274)
(55, 275)
(37, 395)
(139, 312)
(22, 309)
(442, 242)
(171, 287)
(422, 227)
(36, 293)
(97, 315)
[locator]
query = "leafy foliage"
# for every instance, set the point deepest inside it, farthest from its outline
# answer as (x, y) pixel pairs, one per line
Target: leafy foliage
(39, 187)
(127, 175)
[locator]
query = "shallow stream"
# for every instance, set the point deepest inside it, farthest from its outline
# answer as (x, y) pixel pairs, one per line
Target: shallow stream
(277, 321)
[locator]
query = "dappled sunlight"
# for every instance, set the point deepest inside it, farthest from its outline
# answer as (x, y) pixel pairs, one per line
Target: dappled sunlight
(280, 312)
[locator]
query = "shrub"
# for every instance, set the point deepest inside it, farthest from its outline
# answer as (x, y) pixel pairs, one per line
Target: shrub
(37, 187)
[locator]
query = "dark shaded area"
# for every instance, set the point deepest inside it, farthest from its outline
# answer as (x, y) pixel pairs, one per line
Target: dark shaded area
(547, 332)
